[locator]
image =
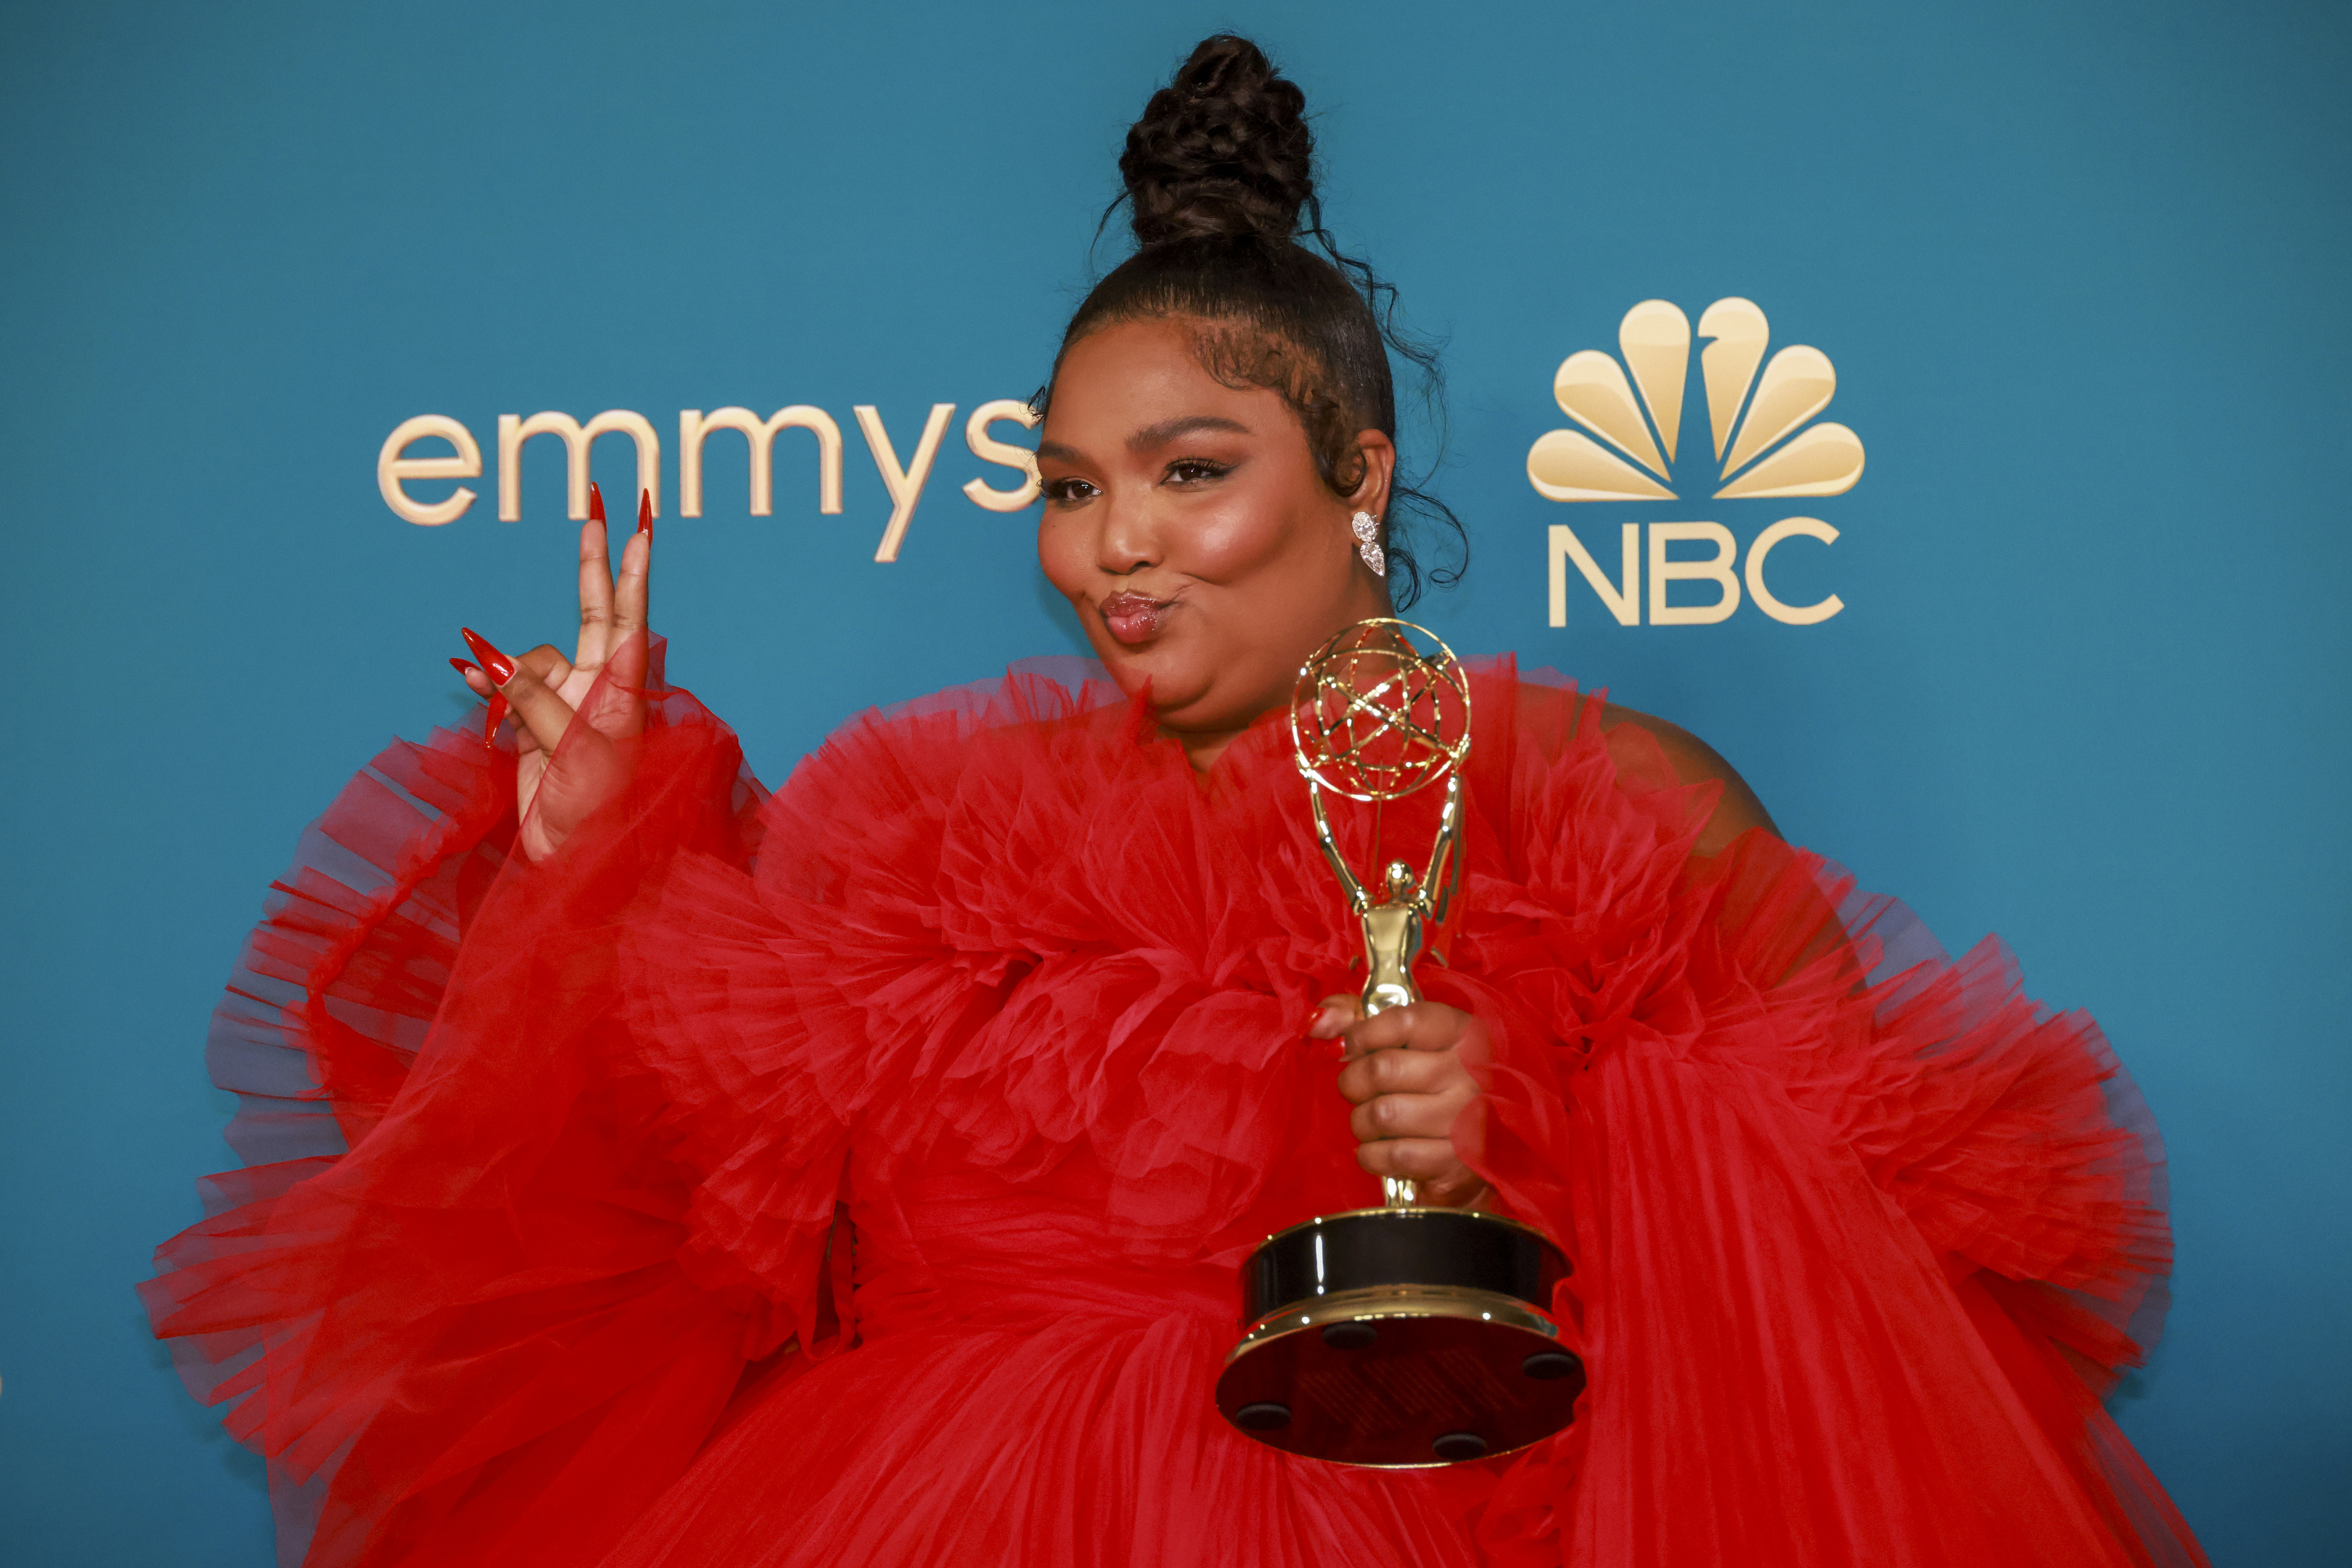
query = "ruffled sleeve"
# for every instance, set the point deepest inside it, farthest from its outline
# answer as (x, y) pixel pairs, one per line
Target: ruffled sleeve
(458, 1301)
(1829, 1194)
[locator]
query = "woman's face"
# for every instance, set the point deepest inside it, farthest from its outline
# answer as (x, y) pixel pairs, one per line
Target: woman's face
(1185, 521)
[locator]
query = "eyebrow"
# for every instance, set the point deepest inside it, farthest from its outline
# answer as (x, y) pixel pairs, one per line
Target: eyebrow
(1168, 430)
(1152, 435)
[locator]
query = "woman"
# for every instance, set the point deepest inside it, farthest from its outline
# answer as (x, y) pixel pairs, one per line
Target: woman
(858, 1176)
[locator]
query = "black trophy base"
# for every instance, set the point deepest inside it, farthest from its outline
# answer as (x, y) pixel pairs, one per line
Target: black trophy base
(1401, 1338)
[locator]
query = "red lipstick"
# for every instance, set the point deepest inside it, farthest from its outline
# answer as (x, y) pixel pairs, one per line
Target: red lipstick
(1134, 619)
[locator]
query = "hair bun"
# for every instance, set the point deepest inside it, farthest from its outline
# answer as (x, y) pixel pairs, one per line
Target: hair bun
(1222, 150)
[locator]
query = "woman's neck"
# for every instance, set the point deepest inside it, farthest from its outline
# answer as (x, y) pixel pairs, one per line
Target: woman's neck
(1203, 748)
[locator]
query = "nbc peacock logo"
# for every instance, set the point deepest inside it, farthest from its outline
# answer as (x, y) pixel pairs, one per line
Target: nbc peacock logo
(1765, 447)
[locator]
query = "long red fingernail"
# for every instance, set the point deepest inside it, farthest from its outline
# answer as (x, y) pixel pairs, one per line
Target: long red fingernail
(645, 511)
(595, 503)
(495, 664)
(494, 716)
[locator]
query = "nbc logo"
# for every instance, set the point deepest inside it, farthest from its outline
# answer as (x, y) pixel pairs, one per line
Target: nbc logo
(1764, 449)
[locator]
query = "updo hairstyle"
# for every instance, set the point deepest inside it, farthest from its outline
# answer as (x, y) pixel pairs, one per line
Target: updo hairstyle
(1219, 174)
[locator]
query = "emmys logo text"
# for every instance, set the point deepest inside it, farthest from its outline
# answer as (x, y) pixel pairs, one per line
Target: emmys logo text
(1764, 449)
(396, 469)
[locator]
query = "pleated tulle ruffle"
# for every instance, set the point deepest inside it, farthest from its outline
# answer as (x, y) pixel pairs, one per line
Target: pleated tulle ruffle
(857, 1175)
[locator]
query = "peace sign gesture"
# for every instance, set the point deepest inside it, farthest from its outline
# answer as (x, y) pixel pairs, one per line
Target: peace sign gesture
(555, 793)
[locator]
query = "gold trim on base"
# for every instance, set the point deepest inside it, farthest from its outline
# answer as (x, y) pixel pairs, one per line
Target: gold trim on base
(1393, 1301)
(1415, 1212)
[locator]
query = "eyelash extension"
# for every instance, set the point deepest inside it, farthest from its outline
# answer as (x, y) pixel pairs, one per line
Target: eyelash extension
(1209, 467)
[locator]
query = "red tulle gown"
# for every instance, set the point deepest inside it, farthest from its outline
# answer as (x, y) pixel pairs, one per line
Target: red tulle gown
(858, 1176)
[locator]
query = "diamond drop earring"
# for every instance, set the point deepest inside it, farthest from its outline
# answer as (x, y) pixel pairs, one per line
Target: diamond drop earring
(1368, 544)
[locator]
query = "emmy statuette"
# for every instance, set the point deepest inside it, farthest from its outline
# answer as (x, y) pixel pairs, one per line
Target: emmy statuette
(1405, 1335)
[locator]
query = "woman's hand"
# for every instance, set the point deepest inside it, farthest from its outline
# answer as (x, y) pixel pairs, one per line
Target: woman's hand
(555, 794)
(1405, 1076)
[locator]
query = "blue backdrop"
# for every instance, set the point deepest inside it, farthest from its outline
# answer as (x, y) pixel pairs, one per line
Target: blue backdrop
(2080, 269)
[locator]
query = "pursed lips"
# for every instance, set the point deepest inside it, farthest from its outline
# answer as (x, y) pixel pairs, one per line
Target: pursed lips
(1133, 618)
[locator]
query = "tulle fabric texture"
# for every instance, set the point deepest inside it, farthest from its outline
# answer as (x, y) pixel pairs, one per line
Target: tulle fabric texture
(858, 1176)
